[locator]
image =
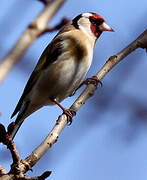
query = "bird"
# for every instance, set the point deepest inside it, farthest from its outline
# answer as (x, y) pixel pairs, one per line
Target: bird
(61, 67)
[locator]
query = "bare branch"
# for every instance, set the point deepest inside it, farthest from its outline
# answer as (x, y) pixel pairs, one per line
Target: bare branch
(47, 143)
(6, 140)
(19, 177)
(140, 42)
(31, 33)
(16, 169)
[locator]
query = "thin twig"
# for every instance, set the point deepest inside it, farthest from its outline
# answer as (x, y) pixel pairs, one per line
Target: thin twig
(140, 42)
(63, 22)
(42, 177)
(37, 27)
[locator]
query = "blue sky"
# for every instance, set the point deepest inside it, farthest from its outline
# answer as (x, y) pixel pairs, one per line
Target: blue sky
(107, 139)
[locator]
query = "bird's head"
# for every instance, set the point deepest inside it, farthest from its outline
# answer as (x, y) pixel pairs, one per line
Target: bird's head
(91, 23)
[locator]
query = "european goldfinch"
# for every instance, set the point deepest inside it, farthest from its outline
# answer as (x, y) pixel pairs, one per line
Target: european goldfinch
(61, 67)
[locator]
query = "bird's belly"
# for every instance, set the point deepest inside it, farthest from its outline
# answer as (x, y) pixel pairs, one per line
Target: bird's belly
(60, 80)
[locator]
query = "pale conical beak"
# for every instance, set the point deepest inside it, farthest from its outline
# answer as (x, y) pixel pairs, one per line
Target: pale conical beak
(105, 27)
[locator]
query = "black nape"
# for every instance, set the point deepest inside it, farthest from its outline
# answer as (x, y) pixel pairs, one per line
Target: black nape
(75, 21)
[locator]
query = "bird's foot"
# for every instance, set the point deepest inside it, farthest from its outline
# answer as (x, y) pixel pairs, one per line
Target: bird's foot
(69, 113)
(92, 80)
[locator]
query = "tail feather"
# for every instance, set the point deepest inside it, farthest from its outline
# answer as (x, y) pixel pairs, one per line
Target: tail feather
(16, 128)
(20, 118)
(26, 110)
(18, 107)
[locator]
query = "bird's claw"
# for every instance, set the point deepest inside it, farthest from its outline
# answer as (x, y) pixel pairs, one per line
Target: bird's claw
(69, 113)
(92, 80)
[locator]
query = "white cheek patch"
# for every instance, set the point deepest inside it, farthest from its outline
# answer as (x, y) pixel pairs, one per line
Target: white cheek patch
(84, 25)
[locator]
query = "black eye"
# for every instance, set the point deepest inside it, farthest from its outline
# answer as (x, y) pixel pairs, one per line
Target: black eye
(96, 21)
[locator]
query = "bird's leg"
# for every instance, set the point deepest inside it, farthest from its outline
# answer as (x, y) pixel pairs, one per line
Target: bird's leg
(69, 112)
(92, 80)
